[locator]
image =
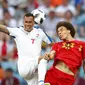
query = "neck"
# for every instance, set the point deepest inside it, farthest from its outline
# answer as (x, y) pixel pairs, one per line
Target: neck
(69, 38)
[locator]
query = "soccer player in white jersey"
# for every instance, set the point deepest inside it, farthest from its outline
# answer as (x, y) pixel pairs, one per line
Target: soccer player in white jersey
(28, 41)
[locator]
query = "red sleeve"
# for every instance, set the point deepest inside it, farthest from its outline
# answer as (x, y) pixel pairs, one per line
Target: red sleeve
(54, 47)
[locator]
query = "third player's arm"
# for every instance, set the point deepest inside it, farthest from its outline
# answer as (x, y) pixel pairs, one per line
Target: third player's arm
(3, 29)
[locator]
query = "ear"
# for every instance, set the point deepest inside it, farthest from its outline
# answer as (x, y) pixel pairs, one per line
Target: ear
(69, 31)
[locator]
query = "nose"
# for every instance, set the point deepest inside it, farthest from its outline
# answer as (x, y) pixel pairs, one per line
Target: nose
(59, 32)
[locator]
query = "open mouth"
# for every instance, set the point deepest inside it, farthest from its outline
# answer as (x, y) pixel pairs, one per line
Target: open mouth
(28, 27)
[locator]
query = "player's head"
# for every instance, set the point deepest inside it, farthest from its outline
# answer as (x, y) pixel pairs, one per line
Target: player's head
(8, 72)
(65, 30)
(28, 22)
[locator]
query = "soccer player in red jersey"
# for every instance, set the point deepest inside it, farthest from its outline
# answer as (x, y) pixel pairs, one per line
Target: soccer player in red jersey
(67, 54)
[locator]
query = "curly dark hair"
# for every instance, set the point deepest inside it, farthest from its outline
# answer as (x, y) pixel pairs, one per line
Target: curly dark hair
(68, 25)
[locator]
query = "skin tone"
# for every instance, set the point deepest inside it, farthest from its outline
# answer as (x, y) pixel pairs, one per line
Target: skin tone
(28, 25)
(63, 34)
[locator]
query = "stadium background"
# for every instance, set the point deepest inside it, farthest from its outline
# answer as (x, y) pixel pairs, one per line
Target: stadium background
(11, 14)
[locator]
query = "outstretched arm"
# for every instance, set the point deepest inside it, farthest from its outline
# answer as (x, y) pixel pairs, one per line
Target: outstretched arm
(3, 29)
(47, 56)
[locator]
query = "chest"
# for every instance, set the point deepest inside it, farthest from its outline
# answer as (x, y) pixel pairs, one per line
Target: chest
(71, 46)
(30, 38)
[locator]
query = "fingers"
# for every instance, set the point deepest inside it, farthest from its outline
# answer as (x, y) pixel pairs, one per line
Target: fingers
(46, 56)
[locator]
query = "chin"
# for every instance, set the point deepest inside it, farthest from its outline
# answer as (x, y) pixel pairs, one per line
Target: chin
(62, 38)
(28, 30)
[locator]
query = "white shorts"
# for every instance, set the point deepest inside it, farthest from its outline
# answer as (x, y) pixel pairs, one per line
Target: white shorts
(29, 71)
(34, 80)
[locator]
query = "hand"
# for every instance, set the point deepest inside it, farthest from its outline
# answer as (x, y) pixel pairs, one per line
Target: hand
(46, 56)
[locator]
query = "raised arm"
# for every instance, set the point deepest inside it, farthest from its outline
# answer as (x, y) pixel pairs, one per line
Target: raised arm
(3, 29)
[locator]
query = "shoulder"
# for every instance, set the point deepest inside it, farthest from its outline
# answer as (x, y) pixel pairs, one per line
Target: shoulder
(21, 27)
(79, 42)
(55, 44)
(14, 29)
(38, 30)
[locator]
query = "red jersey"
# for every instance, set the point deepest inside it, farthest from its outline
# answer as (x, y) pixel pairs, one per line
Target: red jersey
(70, 52)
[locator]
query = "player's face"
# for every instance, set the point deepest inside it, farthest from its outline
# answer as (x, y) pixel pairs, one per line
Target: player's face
(28, 23)
(63, 33)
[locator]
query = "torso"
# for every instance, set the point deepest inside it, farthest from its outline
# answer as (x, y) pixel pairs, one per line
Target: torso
(68, 56)
(60, 65)
(29, 43)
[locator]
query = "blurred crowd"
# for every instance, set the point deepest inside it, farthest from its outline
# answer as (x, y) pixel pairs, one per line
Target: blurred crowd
(11, 14)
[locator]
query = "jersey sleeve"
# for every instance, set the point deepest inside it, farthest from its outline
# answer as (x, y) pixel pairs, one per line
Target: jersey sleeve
(13, 31)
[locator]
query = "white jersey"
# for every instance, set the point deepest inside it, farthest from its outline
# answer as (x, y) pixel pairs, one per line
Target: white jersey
(28, 43)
